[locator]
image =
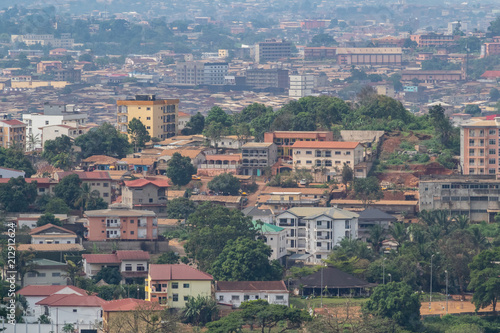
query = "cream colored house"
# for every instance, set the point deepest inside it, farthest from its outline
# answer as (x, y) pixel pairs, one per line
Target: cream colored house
(171, 285)
(329, 156)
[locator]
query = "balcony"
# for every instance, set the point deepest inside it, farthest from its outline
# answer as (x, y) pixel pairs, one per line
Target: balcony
(323, 237)
(302, 234)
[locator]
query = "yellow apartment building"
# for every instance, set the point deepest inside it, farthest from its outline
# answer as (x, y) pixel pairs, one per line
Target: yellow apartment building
(170, 285)
(158, 115)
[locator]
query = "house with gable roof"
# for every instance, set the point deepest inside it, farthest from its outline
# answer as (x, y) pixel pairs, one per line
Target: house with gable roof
(116, 311)
(99, 181)
(133, 265)
(316, 230)
(63, 309)
(36, 293)
(170, 285)
(46, 272)
(146, 193)
(52, 234)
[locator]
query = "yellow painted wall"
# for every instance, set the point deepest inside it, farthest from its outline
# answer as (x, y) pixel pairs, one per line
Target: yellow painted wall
(203, 288)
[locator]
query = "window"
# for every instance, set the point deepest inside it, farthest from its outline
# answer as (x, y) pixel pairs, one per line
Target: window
(131, 221)
(235, 297)
(318, 244)
(185, 298)
(140, 268)
(185, 285)
(221, 297)
(492, 141)
(348, 224)
(279, 297)
(105, 195)
(105, 184)
(348, 153)
(148, 118)
(132, 232)
(338, 153)
(128, 267)
(318, 256)
(308, 162)
(492, 161)
(41, 274)
(175, 285)
(175, 297)
(246, 297)
(75, 310)
(309, 152)
(492, 132)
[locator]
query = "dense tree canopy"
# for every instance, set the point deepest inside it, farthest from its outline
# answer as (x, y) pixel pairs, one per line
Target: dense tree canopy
(195, 125)
(485, 278)
(217, 115)
(210, 228)
(69, 190)
(17, 195)
(225, 183)
(180, 208)
(48, 218)
(15, 159)
(138, 134)
(103, 140)
(245, 259)
(59, 152)
(395, 300)
(180, 169)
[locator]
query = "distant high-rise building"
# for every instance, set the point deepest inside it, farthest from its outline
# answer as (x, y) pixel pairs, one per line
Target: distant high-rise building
(301, 85)
(158, 115)
(272, 50)
(267, 78)
(199, 72)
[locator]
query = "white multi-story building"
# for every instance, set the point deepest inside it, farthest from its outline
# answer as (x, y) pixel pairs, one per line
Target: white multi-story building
(316, 230)
(330, 155)
(53, 114)
(274, 237)
(301, 86)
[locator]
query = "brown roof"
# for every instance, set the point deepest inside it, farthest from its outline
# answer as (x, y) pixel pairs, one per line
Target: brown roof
(95, 175)
(101, 258)
(50, 226)
(72, 300)
(325, 144)
(235, 157)
(177, 272)
(100, 159)
(47, 290)
(380, 202)
(251, 286)
(129, 304)
(139, 161)
(143, 182)
(132, 255)
(191, 153)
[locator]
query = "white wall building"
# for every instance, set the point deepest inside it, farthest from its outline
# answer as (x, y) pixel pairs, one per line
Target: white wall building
(48, 272)
(53, 114)
(301, 85)
(11, 173)
(274, 237)
(316, 230)
(52, 234)
(75, 309)
(236, 292)
(69, 128)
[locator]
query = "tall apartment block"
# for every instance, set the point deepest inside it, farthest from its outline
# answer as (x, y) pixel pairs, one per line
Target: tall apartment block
(272, 50)
(12, 133)
(301, 86)
(199, 72)
(480, 148)
(158, 115)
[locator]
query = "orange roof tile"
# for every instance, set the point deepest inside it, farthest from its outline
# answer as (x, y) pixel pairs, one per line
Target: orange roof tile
(176, 272)
(48, 226)
(129, 304)
(47, 290)
(72, 300)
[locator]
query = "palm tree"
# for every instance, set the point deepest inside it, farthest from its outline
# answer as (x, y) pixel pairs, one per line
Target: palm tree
(377, 236)
(87, 195)
(461, 221)
(33, 141)
(24, 264)
(72, 270)
(398, 232)
(200, 310)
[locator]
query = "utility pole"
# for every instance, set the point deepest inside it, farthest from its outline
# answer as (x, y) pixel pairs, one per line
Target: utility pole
(446, 272)
(430, 289)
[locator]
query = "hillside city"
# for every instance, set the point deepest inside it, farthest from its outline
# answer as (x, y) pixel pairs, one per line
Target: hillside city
(232, 166)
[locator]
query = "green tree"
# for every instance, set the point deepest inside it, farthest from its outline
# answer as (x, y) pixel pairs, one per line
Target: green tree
(14, 158)
(219, 116)
(397, 301)
(245, 260)
(69, 190)
(442, 124)
(180, 169)
(72, 270)
(56, 206)
(214, 132)
(210, 228)
(377, 237)
(195, 125)
(59, 152)
(322, 39)
(494, 94)
(138, 134)
(494, 27)
(200, 310)
(103, 140)
(261, 313)
(367, 189)
(303, 122)
(180, 208)
(48, 218)
(472, 109)
(89, 199)
(347, 176)
(485, 278)
(168, 257)
(225, 183)
(17, 195)
(110, 275)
